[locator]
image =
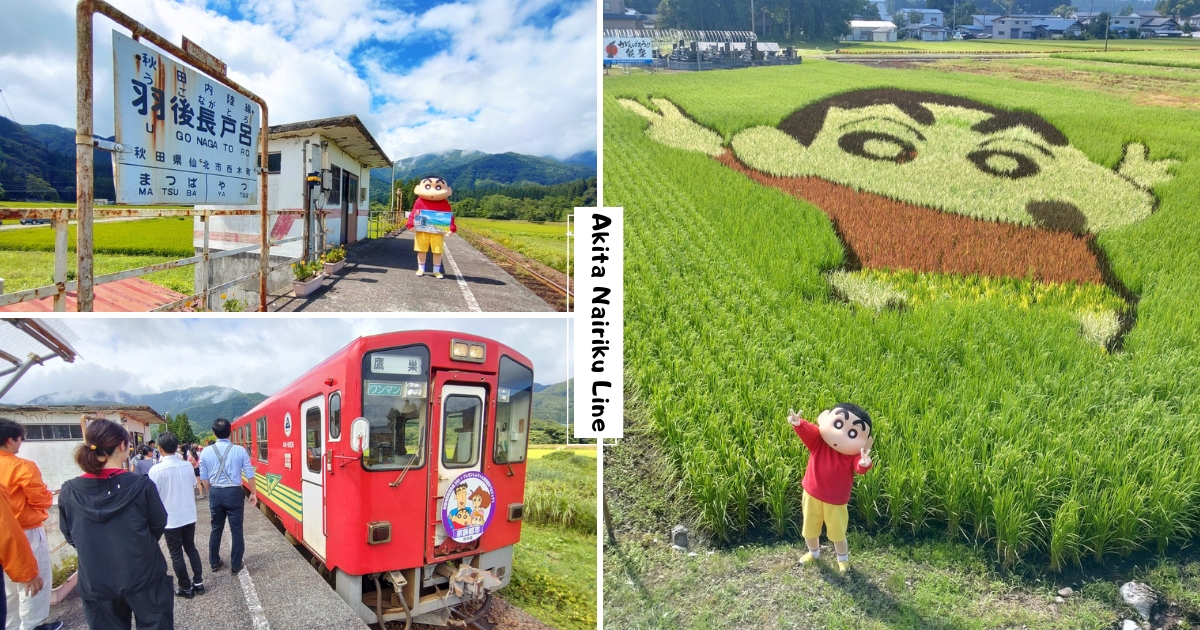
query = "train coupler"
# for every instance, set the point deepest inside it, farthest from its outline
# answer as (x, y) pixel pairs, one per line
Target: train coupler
(470, 583)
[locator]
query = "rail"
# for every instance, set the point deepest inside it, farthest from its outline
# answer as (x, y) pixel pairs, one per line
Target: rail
(61, 216)
(565, 291)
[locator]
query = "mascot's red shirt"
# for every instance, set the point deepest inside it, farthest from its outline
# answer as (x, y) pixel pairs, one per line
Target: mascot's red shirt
(424, 204)
(830, 474)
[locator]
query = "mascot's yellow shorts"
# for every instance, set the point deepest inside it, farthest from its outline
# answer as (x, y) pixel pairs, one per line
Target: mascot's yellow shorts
(817, 512)
(426, 241)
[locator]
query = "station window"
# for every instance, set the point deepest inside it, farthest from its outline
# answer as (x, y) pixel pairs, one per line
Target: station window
(462, 417)
(335, 189)
(514, 408)
(395, 404)
(262, 439)
(312, 438)
(43, 432)
(274, 162)
(335, 416)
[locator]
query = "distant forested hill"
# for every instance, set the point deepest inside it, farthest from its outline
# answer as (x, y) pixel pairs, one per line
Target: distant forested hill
(472, 170)
(47, 153)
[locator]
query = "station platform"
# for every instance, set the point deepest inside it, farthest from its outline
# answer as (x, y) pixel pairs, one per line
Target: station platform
(276, 589)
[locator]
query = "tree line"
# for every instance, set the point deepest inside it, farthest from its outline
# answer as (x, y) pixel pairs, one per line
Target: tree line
(528, 203)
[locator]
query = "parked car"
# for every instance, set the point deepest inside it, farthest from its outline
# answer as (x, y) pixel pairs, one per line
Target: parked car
(34, 221)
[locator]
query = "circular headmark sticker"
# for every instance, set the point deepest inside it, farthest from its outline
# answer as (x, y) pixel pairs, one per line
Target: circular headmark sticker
(287, 424)
(467, 507)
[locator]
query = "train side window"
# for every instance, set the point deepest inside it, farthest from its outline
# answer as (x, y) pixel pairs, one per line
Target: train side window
(335, 416)
(514, 408)
(262, 439)
(461, 421)
(312, 438)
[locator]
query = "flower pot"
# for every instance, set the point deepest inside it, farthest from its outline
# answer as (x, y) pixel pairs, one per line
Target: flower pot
(64, 589)
(302, 289)
(332, 268)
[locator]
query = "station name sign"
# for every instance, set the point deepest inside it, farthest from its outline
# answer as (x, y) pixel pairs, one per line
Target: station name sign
(187, 139)
(599, 323)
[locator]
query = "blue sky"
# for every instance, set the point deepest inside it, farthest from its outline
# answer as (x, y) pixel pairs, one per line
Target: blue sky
(425, 76)
(143, 355)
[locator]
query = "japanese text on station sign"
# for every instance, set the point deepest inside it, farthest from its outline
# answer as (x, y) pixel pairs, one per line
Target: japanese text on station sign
(628, 50)
(187, 138)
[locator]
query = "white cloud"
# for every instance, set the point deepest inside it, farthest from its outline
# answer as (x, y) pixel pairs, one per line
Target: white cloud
(156, 354)
(500, 84)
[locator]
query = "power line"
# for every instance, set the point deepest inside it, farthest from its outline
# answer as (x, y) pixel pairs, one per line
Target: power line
(10, 114)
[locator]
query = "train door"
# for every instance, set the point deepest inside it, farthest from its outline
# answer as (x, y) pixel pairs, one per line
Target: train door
(457, 449)
(312, 473)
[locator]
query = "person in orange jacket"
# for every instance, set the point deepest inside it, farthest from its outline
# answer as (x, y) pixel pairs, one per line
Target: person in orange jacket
(30, 501)
(16, 556)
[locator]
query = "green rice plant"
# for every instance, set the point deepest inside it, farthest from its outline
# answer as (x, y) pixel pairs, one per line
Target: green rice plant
(1066, 544)
(144, 237)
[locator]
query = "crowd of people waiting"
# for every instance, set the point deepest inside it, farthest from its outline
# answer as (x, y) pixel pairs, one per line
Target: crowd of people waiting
(114, 515)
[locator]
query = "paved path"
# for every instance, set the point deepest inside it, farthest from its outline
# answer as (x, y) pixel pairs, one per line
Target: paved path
(379, 276)
(289, 593)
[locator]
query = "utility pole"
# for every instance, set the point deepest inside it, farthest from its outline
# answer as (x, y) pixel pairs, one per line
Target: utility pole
(1107, 23)
(752, 18)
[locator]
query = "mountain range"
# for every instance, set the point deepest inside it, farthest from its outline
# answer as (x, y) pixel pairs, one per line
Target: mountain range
(205, 404)
(466, 170)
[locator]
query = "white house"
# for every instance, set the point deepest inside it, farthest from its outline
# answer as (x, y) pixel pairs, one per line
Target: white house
(871, 31)
(52, 433)
(927, 16)
(342, 153)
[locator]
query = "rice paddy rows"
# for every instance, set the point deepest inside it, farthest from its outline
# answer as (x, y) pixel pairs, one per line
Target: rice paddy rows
(995, 422)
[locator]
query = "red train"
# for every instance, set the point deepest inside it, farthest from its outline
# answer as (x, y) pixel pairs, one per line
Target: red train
(399, 462)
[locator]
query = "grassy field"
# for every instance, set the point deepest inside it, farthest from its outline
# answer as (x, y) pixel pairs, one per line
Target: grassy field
(1000, 426)
(147, 237)
(28, 270)
(896, 582)
(1168, 57)
(1025, 45)
(543, 242)
(587, 451)
(554, 566)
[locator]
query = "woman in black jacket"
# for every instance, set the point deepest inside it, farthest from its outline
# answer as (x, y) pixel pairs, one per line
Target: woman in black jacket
(114, 519)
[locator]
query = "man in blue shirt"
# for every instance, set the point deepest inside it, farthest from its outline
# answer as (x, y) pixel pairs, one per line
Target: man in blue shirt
(222, 466)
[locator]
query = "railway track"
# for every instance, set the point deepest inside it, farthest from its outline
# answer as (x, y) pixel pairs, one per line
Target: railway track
(504, 253)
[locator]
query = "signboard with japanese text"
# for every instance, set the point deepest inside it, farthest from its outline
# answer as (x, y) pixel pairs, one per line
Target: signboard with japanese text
(187, 138)
(628, 50)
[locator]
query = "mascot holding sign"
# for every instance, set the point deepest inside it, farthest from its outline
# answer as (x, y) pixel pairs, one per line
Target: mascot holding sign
(431, 220)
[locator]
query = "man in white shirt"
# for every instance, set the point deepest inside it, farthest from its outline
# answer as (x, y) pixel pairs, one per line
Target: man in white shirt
(222, 467)
(176, 486)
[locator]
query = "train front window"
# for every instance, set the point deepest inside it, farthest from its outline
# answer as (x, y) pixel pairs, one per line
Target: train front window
(514, 404)
(395, 404)
(462, 418)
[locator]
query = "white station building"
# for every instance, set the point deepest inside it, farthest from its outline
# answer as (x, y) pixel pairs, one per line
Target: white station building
(343, 151)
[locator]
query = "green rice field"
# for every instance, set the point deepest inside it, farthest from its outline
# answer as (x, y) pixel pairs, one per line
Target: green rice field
(1166, 57)
(1026, 45)
(543, 242)
(998, 425)
(144, 237)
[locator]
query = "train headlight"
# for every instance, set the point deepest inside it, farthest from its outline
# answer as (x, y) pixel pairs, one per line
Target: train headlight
(379, 533)
(516, 511)
(466, 351)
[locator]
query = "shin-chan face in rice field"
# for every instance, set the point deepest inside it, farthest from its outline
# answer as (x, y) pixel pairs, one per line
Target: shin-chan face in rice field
(941, 185)
(956, 155)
